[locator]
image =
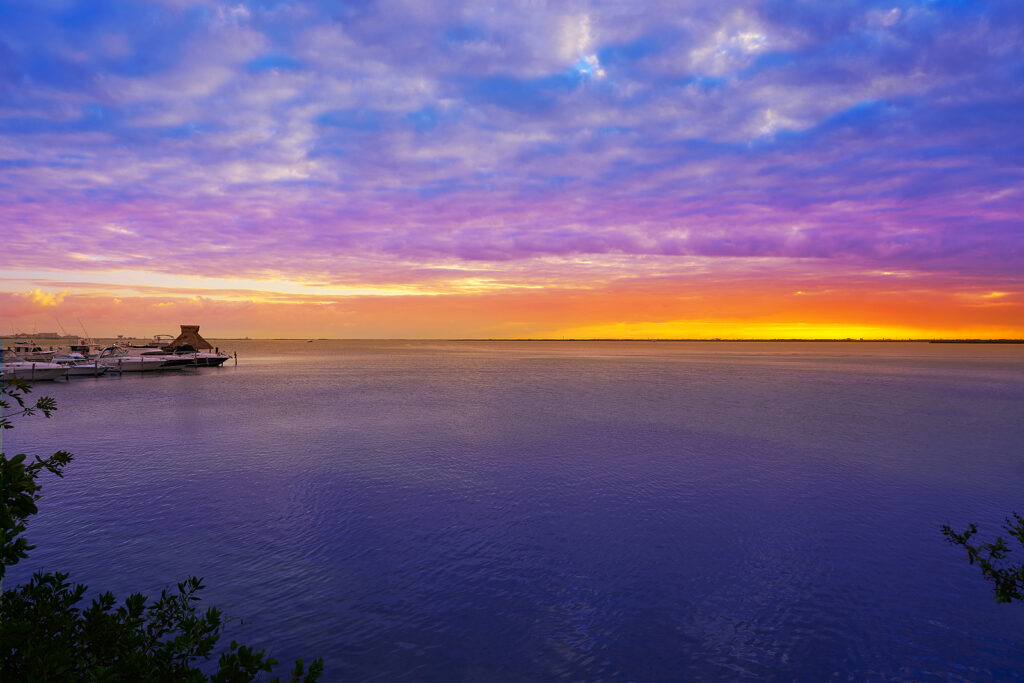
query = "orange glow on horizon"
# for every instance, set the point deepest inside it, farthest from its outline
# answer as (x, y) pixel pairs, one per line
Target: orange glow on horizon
(728, 330)
(691, 309)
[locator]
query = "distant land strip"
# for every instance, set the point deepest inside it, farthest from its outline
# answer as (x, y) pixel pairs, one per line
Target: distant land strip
(976, 341)
(858, 341)
(621, 339)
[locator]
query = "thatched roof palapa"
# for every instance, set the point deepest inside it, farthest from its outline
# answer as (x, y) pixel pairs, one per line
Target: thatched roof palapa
(189, 337)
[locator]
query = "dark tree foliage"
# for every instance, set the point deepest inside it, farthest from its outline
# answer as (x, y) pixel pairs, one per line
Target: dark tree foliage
(1007, 578)
(48, 634)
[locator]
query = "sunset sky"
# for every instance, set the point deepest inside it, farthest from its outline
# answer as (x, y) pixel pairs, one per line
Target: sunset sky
(782, 168)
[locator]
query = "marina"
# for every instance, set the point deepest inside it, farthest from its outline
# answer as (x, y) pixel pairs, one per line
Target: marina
(34, 360)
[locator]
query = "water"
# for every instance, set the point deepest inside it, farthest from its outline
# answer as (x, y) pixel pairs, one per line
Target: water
(496, 511)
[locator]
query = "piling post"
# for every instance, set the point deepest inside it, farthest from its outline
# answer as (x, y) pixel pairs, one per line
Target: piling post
(236, 359)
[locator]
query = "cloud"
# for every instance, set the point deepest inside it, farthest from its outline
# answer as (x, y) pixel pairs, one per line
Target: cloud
(383, 142)
(44, 299)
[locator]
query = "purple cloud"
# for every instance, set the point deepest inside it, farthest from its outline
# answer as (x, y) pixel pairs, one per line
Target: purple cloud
(371, 143)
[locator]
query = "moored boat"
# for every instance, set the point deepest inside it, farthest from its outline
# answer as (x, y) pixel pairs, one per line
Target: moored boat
(202, 359)
(199, 352)
(77, 365)
(31, 350)
(117, 359)
(31, 370)
(170, 360)
(86, 347)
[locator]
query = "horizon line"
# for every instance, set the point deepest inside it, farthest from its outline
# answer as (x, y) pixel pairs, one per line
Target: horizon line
(922, 340)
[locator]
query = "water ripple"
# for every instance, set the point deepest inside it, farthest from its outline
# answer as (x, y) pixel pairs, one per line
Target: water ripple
(506, 512)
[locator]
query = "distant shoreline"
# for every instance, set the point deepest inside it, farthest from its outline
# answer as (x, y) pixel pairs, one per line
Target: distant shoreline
(633, 339)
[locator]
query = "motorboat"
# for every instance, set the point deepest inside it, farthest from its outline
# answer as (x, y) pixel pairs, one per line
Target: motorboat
(181, 357)
(202, 359)
(78, 365)
(188, 345)
(210, 360)
(31, 370)
(158, 341)
(182, 352)
(31, 350)
(118, 359)
(170, 360)
(86, 347)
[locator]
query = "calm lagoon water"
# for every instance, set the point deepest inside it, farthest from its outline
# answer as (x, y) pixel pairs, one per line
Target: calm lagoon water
(497, 511)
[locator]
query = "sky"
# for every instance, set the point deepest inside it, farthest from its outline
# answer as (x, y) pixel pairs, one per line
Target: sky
(432, 169)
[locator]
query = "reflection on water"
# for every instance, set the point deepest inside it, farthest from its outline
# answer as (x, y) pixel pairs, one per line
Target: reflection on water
(522, 511)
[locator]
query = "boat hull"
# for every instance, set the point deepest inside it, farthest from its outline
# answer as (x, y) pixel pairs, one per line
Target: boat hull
(209, 360)
(200, 360)
(131, 364)
(89, 370)
(34, 372)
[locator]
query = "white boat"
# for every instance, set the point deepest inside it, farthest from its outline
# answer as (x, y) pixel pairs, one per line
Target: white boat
(177, 358)
(177, 355)
(86, 347)
(188, 345)
(182, 357)
(202, 359)
(31, 350)
(158, 341)
(30, 370)
(77, 365)
(211, 360)
(170, 360)
(117, 359)
(175, 352)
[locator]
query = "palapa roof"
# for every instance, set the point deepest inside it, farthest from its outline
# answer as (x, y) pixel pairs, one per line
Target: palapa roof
(189, 337)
